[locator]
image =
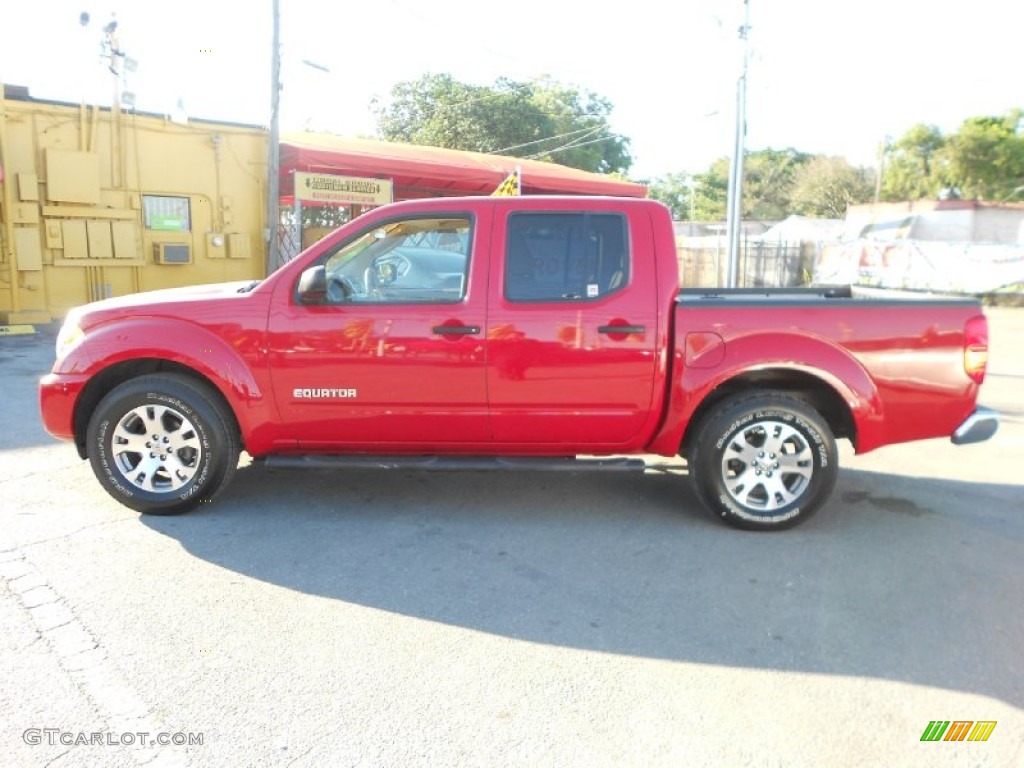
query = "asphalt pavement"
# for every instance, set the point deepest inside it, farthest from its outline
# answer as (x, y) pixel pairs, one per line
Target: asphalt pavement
(531, 619)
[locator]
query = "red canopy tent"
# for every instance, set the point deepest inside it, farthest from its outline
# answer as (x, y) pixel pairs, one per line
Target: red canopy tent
(433, 172)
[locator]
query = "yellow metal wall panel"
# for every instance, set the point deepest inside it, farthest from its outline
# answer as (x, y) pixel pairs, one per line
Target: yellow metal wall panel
(226, 188)
(20, 136)
(72, 177)
(25, 213)
(26, 245)
(85, 212)
(125, 243)
(54, 234)
(66, 287)
(76, 244)
(28, 186)
(238, 245)
(100, 244)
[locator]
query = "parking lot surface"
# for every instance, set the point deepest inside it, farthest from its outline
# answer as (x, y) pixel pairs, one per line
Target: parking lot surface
(407, 619)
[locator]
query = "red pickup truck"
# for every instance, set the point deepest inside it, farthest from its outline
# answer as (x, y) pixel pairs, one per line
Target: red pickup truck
(529, 332)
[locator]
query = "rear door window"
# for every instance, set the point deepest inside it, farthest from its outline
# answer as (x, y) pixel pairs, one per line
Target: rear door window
(565, 256)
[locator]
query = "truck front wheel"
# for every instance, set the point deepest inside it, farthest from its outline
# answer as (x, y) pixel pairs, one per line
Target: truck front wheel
(763, 461)
(162, 444)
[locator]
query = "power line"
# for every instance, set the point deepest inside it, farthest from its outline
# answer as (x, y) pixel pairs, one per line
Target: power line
(546, 138)
(570, 146)
(577, 142)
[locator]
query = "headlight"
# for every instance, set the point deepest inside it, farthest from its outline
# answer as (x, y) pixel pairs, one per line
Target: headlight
(70, 336)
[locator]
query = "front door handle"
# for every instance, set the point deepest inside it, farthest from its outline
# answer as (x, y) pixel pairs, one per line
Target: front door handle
(456, 330)
(609, 329)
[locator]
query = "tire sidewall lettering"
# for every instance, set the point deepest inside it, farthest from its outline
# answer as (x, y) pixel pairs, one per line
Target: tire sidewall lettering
(113, 477)
(732, 429)
(727, 427)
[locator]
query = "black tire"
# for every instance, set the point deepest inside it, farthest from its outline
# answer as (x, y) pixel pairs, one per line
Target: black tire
(191, 441)
(763, 462)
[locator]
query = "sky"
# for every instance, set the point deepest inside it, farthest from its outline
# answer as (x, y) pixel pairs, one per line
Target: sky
(825, 76)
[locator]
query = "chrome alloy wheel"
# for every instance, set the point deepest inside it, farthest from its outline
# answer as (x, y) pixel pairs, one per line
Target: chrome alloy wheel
(767, 465)
(156, 448)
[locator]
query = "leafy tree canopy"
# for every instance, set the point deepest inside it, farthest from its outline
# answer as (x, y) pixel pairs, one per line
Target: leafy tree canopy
(768, 180)
(914, 166)
(986, 156)
(983, 159)
(827, 186)
(541, 119)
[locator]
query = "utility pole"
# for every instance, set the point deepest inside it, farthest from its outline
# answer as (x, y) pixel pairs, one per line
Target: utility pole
(734, 204)
(883, 148)
(274, 163)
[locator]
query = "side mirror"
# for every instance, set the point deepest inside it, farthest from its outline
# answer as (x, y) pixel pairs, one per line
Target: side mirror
(313, 285)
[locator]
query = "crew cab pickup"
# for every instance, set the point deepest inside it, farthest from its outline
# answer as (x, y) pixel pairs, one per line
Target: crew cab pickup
(521, 332)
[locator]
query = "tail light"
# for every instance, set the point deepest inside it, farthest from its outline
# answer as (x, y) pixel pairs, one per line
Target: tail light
(976, 348)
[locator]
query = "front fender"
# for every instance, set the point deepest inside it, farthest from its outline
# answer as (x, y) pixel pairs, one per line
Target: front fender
(227, 361)
(775, 351)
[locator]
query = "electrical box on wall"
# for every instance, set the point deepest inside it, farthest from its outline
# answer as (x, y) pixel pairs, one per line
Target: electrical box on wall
(28, 186)
(26, 245)
(238, 245)
(98, 236)
(74, 238)
(124, 235)
(215, 245)
(54, 235)
(172, 253)
(72, 177)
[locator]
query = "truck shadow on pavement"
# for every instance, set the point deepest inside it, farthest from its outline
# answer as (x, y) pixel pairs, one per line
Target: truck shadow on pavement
(899, 578)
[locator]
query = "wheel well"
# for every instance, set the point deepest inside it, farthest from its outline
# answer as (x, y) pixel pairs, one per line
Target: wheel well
(100, 384)
(804, 386)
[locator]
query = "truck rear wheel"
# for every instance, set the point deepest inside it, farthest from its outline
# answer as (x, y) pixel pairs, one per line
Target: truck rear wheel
(162, 444)
(763, 461)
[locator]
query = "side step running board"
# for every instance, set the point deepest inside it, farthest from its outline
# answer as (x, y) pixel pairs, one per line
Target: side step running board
(450, 463)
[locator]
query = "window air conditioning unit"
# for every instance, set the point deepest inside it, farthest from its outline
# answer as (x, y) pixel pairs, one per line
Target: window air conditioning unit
(172, 253)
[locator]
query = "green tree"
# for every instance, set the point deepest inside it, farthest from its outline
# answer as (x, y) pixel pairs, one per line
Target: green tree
(693, 197)
(915, 165)
(711, 193)
(827, 186)
(673, 189)
(768, 177)
(541, 119)
(581, 119)
(439, 111)
(986, 156)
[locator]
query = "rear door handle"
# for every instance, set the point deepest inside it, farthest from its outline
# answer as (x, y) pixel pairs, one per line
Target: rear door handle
(456, 330)
(621, 329)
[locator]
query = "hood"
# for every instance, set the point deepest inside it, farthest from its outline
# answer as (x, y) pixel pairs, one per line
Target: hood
(164, 301)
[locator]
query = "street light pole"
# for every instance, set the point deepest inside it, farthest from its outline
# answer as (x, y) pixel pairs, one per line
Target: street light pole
(734, 204)
(274, 163)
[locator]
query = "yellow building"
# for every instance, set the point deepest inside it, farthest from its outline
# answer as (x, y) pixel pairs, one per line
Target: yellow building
(97, 202)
